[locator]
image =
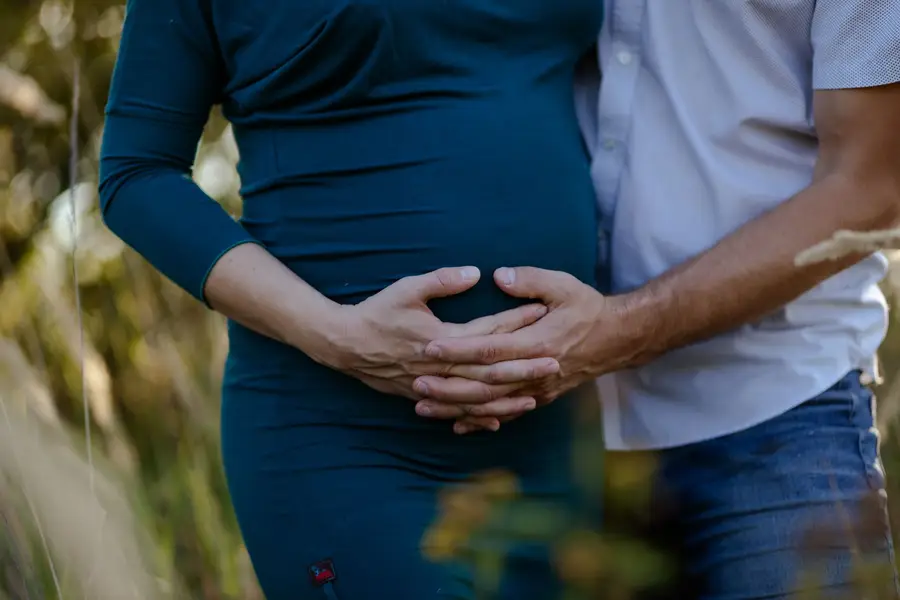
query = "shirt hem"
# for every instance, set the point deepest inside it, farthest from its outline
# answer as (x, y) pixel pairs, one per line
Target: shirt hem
(619, 444)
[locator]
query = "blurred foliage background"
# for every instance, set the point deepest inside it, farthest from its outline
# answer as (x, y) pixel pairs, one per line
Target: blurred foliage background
(151, 519)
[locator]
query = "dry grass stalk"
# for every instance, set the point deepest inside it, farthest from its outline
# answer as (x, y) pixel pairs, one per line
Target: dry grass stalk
(90, 535)
(844, 243)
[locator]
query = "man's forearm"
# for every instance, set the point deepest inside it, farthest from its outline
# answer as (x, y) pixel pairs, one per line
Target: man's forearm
(752, 272)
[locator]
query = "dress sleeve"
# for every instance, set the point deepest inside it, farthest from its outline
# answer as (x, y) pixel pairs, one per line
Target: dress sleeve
(856, 43)
(167, 77)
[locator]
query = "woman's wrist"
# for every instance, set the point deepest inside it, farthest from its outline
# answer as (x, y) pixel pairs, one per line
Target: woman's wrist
(252, 287)
(317, 328)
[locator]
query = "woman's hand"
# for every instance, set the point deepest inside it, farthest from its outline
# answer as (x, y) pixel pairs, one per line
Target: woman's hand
(382, 340)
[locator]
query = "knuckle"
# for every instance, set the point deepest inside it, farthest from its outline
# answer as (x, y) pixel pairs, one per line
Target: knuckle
(490, 393)
(446, 369)
(494, 375)
(495, 324)
(542, 348)
(568, 278)
(444, 278)
(487, 354)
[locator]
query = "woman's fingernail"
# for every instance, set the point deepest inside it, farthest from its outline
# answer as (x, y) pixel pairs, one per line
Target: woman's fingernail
(420, 388)
(551, 365)
(433, 351)
(530, 405)
(494, 426)
(423, 410)
(469, 273)
(506, 275)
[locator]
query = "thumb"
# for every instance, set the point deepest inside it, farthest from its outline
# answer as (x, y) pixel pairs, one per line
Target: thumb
(437, 284)
(550, 287)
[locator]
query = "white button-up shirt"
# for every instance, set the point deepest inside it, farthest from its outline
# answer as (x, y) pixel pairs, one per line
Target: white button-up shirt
(702, 123)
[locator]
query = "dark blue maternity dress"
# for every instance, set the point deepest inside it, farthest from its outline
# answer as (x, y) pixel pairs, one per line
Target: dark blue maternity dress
(378, 139)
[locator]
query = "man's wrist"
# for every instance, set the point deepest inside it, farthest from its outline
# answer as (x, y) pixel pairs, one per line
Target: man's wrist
(641, 319)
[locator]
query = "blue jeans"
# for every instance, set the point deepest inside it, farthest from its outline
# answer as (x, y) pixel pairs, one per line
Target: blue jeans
(795, 504)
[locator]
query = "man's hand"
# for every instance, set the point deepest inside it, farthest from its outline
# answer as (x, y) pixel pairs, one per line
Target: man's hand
(587, 333)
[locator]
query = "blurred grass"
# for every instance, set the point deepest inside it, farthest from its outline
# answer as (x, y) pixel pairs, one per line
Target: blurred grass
(154, 520)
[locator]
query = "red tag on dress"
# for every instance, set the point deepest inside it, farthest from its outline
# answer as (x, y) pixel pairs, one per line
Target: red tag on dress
(322, 572)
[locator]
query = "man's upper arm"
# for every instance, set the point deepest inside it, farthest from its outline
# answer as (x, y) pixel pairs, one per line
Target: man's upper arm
(856, 70)
(856, 43)
(857, 130)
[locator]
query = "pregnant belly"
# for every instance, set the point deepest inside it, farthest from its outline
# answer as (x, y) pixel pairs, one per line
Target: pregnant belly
(355, 234)
(353, 207)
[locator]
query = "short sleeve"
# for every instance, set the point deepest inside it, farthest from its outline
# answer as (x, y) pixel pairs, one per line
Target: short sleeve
(167, 77)
(856, 43)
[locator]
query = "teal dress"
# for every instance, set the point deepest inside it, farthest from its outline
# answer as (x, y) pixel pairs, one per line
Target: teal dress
(378, 139)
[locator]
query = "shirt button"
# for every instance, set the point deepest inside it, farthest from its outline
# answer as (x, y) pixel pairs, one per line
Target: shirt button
(624, 57)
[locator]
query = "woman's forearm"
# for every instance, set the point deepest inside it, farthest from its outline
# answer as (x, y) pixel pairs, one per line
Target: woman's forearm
(251, 287)
(168, 76)
(157, 209)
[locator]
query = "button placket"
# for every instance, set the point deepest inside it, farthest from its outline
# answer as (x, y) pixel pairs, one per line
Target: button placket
(619, 53)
